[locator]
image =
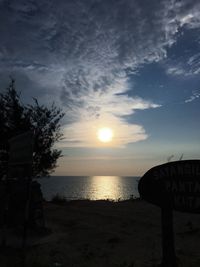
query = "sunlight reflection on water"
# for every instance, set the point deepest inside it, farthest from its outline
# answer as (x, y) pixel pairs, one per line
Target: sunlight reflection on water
(105, 187)
(90, 187)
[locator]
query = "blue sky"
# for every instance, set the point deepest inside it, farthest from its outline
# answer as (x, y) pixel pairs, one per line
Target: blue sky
(130, 65)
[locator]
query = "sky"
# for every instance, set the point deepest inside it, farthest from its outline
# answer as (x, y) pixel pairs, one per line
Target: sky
(130, 65)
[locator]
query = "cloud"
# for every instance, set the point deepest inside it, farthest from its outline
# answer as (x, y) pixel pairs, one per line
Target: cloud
(190, 66)
(99, 109)
(84, 51)
(194, 96)
(176, 70)
(84, 131)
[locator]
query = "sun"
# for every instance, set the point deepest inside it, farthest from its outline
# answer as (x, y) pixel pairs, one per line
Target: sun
(105, 134)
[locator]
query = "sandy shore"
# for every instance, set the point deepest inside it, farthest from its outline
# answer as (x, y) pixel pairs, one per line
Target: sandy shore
(110, 234)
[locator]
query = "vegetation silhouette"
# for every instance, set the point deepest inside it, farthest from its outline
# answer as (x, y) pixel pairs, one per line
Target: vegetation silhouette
(44, 122)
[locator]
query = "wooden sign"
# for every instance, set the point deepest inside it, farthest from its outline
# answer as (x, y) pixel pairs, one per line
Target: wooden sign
(21, 156)
(175, 185)
(21, 149)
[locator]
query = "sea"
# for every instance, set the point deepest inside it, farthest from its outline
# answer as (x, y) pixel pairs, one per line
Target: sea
(90, 187)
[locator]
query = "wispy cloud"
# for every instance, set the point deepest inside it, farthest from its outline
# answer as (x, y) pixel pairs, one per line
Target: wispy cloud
(84, 51)
(189, 66)
(194, 96)
(176, 70)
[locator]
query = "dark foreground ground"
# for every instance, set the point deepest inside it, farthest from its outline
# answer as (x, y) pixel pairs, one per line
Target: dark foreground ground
(106, 234)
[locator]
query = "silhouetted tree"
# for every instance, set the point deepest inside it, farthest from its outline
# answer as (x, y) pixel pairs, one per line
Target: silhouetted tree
(44, 122)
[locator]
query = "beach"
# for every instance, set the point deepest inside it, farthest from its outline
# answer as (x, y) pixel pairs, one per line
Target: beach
(86, 233)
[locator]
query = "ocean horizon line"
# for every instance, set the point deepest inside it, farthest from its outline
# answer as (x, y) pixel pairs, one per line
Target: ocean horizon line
(92, 176)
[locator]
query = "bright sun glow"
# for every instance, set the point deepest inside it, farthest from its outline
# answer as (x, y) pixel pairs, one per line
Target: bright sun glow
(105, 135)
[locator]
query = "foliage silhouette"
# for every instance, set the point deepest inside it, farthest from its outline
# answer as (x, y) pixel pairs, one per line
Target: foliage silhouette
(44, 122)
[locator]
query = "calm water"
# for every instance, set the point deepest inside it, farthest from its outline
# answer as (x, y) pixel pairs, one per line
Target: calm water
(90, 187)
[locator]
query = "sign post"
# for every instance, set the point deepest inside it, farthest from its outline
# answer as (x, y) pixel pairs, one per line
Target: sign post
(172, 186)
(4, 194)
(168, 248)
(20, 165)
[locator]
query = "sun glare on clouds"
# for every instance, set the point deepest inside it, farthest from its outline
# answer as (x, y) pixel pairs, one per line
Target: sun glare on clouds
(105, 109)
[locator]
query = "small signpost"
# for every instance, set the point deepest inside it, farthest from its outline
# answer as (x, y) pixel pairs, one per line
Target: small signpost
(20, 166)
(172, 186)
(21, 155)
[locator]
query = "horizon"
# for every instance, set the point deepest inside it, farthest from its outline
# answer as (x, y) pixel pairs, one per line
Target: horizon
(88, 176)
